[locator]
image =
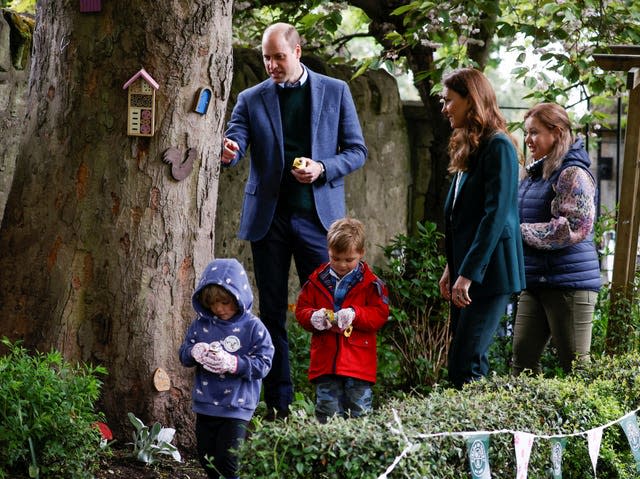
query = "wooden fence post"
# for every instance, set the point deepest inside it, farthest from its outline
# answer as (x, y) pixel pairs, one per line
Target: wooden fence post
(625, 58)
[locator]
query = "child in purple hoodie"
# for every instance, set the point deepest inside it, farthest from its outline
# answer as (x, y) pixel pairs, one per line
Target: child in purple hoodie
(232, 351)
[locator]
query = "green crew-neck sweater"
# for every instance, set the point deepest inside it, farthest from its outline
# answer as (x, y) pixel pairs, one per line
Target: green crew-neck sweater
(295, 113)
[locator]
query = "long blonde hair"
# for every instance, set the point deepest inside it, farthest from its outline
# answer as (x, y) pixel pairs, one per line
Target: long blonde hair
(484, 118)
(556, 119)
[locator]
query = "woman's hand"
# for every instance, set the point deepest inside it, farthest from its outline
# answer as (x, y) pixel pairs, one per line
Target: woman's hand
(460, 292)
(445, 284)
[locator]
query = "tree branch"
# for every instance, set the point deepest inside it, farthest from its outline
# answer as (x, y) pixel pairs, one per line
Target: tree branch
(340, 42)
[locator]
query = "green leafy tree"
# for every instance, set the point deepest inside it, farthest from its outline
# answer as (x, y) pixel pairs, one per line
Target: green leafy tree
(28, 6)
(554, 40)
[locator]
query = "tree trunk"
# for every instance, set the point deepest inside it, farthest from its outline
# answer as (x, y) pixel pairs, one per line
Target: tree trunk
(100, 245)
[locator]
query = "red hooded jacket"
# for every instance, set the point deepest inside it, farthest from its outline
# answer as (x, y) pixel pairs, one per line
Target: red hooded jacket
(331, 351)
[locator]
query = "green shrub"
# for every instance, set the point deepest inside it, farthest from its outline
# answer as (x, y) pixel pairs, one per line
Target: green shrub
(47, 415)
(418, 330)
(617, 330)
(299, 344)
(364, 448)
(623, 371)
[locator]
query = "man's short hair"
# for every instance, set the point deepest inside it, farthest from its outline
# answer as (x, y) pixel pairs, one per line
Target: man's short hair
(288, 32)
(346, 233)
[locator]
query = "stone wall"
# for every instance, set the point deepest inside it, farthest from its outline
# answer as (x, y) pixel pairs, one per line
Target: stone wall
(377, 194)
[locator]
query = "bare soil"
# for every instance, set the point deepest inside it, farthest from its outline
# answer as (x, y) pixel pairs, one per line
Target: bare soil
(120, 465)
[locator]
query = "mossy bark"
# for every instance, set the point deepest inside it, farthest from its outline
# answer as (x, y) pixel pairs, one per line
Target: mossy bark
(16, 32)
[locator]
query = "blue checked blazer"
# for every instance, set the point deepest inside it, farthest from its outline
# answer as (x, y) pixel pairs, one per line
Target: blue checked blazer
(336, 141)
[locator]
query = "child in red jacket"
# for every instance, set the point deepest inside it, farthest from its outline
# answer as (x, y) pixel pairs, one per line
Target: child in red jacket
(343, 304)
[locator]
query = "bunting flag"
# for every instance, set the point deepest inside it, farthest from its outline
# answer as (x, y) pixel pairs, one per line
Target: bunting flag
(557, 448)
(478, 451)
(594, 438)
(523, 442)
(478, 446)
(629, 425)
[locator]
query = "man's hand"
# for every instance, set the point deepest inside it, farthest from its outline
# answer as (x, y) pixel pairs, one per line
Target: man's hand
(229, 149)
(308, 173)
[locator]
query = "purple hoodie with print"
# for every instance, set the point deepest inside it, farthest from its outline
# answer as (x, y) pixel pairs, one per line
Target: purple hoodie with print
(244, 335)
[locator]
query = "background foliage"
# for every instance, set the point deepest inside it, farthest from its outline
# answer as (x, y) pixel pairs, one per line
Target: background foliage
(553, 42)
(418, 327)
(28, 6)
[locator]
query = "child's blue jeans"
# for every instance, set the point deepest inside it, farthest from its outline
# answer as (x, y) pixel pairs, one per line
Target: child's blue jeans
(342, 396)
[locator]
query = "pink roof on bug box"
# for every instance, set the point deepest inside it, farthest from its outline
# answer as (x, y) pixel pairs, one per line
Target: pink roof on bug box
(144, 75)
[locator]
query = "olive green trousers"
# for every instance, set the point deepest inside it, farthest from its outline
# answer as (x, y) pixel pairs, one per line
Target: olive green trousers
(563, 315)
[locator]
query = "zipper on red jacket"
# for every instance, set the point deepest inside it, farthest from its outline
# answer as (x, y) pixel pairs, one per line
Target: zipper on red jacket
(338, 347)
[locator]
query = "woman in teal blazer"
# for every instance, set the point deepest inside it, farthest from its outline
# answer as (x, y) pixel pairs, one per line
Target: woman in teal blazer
(485, 263)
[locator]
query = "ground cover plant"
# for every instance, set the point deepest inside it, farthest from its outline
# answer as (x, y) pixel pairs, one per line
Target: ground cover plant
(49, 427)
(366, 447)
(151, 443)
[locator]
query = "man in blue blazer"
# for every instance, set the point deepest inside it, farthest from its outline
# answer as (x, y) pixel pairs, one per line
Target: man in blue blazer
(295, 115)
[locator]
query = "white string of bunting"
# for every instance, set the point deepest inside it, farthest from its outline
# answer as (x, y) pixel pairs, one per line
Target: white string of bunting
(478, 446)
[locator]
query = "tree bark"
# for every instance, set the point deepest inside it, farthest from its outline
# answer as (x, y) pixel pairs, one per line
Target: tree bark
(100, 245)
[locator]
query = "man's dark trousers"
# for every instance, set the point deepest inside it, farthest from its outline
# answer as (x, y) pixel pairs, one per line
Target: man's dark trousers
(302, 237)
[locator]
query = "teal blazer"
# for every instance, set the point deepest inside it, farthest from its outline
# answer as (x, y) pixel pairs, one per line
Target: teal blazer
(482, 234)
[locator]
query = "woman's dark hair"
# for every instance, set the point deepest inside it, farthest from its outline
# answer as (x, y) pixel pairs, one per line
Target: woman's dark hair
(484, 117)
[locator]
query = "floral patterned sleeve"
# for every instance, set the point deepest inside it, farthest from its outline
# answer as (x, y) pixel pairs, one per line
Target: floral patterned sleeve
(573, 212)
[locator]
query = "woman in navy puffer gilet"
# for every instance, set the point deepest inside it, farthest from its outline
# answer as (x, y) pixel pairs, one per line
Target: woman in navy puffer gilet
(557, 211)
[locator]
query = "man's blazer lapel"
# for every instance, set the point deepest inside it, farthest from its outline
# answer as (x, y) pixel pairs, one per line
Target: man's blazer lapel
(272, 109)
(317, 97)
